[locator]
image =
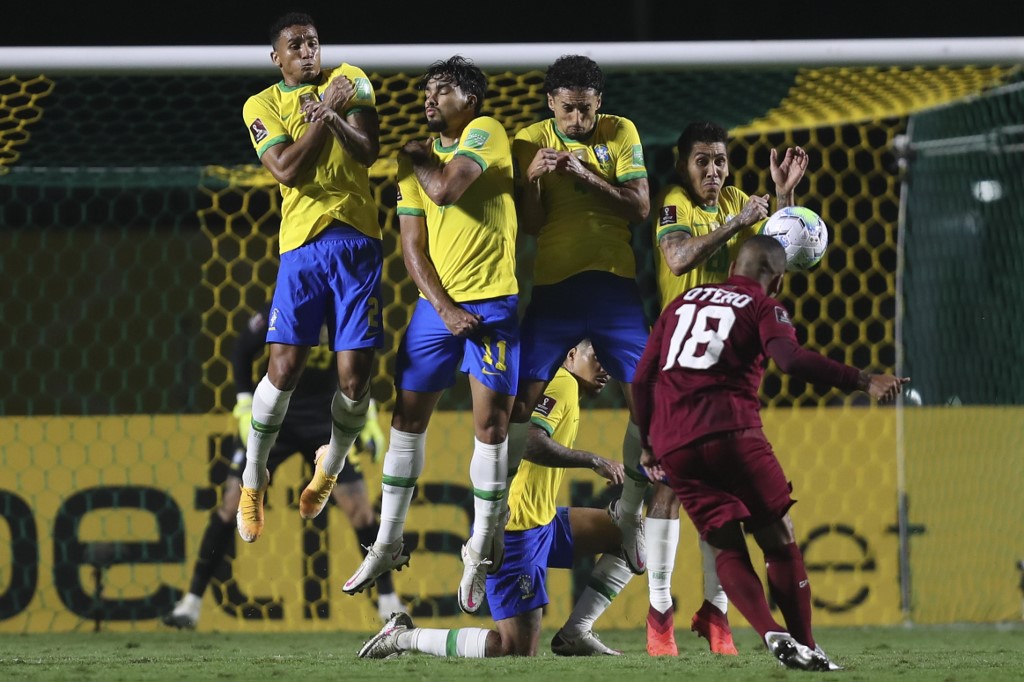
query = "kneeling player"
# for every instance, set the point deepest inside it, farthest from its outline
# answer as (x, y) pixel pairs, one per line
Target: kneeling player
(538, 536)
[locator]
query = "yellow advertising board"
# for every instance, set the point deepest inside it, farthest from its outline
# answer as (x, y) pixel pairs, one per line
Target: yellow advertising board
(133, 496)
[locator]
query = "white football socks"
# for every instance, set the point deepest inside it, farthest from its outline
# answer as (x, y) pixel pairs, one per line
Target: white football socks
(487, 471)
(611, 574)
(462, 643)
(713, 591)
(662, 542)
(348, 417)
(269, 406)
(635, 485)
(403, 464)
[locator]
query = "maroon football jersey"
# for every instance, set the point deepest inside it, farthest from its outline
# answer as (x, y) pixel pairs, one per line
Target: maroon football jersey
(705, 358)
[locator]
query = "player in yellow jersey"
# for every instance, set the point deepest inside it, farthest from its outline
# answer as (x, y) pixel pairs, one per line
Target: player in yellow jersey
(458, 222)
(699, 225)
(581, 182)
(539, 535)
(316, 132)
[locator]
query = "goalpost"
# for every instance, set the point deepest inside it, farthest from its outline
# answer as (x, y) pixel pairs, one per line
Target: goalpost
(139, 231)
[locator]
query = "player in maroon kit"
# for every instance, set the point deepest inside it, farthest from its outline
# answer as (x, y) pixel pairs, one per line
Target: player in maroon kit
(696, 396)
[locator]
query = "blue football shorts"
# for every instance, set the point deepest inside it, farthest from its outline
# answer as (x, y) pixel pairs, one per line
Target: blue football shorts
(332, 280)
(597, 305)
(520, 585)
(429, 354)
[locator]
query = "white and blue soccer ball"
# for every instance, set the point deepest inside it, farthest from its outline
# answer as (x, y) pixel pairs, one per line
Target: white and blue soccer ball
(802, 233)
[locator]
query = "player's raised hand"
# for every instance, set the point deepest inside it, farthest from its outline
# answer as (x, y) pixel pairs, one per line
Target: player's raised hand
(316, 112)
(885, 387)
(754, 210)
(338, 92)
(460, 322)
(787, 174)
(545, 161)
(418, 151)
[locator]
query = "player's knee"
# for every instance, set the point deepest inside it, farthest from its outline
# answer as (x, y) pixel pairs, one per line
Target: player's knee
(492, 433)
(507, 646)
(775, 535)
(520, 412)
(284, 372)
(664, 503)
(354, 387)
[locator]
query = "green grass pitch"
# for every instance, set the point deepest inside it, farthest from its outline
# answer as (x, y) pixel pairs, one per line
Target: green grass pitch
(948, 653)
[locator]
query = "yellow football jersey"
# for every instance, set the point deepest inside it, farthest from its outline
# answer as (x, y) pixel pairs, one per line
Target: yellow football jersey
(676, 212)
(582, 231)
(531, 498)
(338, 186)
(472, 242)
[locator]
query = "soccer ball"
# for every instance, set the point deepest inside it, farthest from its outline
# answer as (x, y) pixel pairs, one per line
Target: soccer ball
(802, 233)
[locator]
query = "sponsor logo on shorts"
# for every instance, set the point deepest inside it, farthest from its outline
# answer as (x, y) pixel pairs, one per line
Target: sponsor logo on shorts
(546, 404)
(782, 316)
(668, 216)
(475, 138)
(489, 372)
(525, 583)
(259, 131)
(273, 320)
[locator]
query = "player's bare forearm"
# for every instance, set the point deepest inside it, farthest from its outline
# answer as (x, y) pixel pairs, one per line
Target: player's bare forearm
(544, 450)
(362, 145)
(631, 200)
(683, 252)
(289, 162)
(785, 200)
(431, 178)
(424, 274)
(446, 184)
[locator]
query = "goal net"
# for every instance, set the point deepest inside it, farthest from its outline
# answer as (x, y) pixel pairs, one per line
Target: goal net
(139, 233)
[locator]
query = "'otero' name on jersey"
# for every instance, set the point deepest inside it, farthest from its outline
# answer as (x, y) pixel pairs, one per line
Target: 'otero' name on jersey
(716, 295)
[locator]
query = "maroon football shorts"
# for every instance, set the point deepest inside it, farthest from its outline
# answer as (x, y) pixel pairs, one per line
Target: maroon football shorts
(731, 476)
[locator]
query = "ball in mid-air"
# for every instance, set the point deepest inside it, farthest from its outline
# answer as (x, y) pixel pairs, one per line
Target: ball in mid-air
(802, 233)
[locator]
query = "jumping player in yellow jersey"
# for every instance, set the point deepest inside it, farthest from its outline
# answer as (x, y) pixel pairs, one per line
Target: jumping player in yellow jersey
(581, 182)
(699, 226)
(458, 221)
(539, 535)
(316, 132)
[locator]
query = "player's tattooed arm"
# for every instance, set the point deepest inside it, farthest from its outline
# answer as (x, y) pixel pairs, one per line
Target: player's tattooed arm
(544, 450)
(684, 252)
(445, 184)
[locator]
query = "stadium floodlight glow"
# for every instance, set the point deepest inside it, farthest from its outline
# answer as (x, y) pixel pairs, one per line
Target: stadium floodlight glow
(987, 191)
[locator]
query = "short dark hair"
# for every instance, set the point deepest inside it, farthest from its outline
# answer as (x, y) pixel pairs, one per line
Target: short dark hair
(761, 256)
(699, 131)
(290, 19)
(574, 72)
(460, 72)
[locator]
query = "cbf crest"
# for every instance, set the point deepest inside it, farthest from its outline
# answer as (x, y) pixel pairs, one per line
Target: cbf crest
(602, 153)
(525, 583)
